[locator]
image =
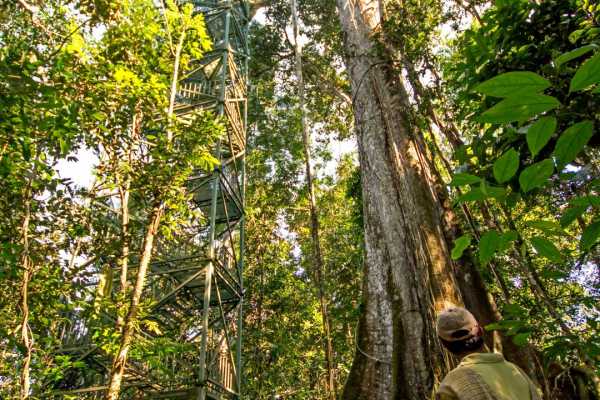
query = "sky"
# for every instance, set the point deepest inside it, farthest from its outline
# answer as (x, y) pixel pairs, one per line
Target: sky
(80, 172)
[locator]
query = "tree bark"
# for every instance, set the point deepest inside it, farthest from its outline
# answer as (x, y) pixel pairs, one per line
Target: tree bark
(26, 264)
(408, 272)
(314, 217)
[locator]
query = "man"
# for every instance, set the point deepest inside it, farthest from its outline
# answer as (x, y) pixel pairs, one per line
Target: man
(480, 375)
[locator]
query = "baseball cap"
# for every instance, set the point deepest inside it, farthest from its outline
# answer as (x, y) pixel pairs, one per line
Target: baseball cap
(456, 323)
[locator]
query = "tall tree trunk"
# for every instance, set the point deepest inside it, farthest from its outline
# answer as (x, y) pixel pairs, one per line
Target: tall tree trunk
(118, 366)
(26, 265)
(408, 272)
(314, 217)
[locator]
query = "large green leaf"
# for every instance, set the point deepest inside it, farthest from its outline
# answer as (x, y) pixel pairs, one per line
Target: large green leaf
(540, 133)
(519, 108)
(488, 245)
(587, 74)
(460, 246)
(521, 339)
(571, 215)
(536, 175)
(492, 191)
(572, 141)
(474, 194)
(481, 193)
(590, 235)
(550, 228)
(547, 249)
(588, 200)
(511, 84)
(575, 35)
(506, 166)
(505, 240)
(573, 54)
(464, 179)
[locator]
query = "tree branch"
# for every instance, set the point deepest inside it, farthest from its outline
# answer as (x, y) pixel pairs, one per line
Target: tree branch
(32, 10)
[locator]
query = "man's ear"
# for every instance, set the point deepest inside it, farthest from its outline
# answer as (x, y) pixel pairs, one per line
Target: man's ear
(480, 331)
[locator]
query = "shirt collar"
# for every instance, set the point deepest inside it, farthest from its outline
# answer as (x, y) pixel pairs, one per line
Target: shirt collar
(479, 358)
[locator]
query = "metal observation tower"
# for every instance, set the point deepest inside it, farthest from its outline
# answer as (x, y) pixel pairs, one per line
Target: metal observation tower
(191, 340)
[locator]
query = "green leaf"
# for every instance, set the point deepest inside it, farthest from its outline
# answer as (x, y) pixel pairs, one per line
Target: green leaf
(99, 116)
(575, 35)
(514, 310)
(587, 74)
(519, 108)
(494, 326)
(573, 54)
(460, 246)
(505, 240)
(550, 228)
(464, 179)
(26, 150)
(590, 200)
(511, 84)
(521, 339)
(506, 166)
(547, 249)
(540, 133)
(64, 146)
(571, 215)
(536, 175)
(572, 141)
(549, 273)
(488, 245)
(473, 195)
(590, 236)
(481, 193)
(492, 191)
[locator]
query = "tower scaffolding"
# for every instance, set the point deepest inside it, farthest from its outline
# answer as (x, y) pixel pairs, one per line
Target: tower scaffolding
(196, 286)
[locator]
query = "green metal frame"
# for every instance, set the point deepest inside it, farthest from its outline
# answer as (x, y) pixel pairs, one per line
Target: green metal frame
(197, 287)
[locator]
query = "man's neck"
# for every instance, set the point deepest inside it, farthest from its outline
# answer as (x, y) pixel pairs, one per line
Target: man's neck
(465, 354)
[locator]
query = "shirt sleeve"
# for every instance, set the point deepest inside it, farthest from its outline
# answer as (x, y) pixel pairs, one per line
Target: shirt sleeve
(535, 392)
(445, 392)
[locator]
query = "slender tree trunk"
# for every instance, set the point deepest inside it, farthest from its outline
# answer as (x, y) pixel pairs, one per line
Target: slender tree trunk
(314, 217)
(118, 366)
(26, 265)
(26, 337)
(124, 193)
(258, 353)
(408, 272)
(174, 80)
(120, 361)
(124, 259)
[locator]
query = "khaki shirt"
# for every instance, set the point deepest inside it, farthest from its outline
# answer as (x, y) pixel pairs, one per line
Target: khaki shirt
(486, 376)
